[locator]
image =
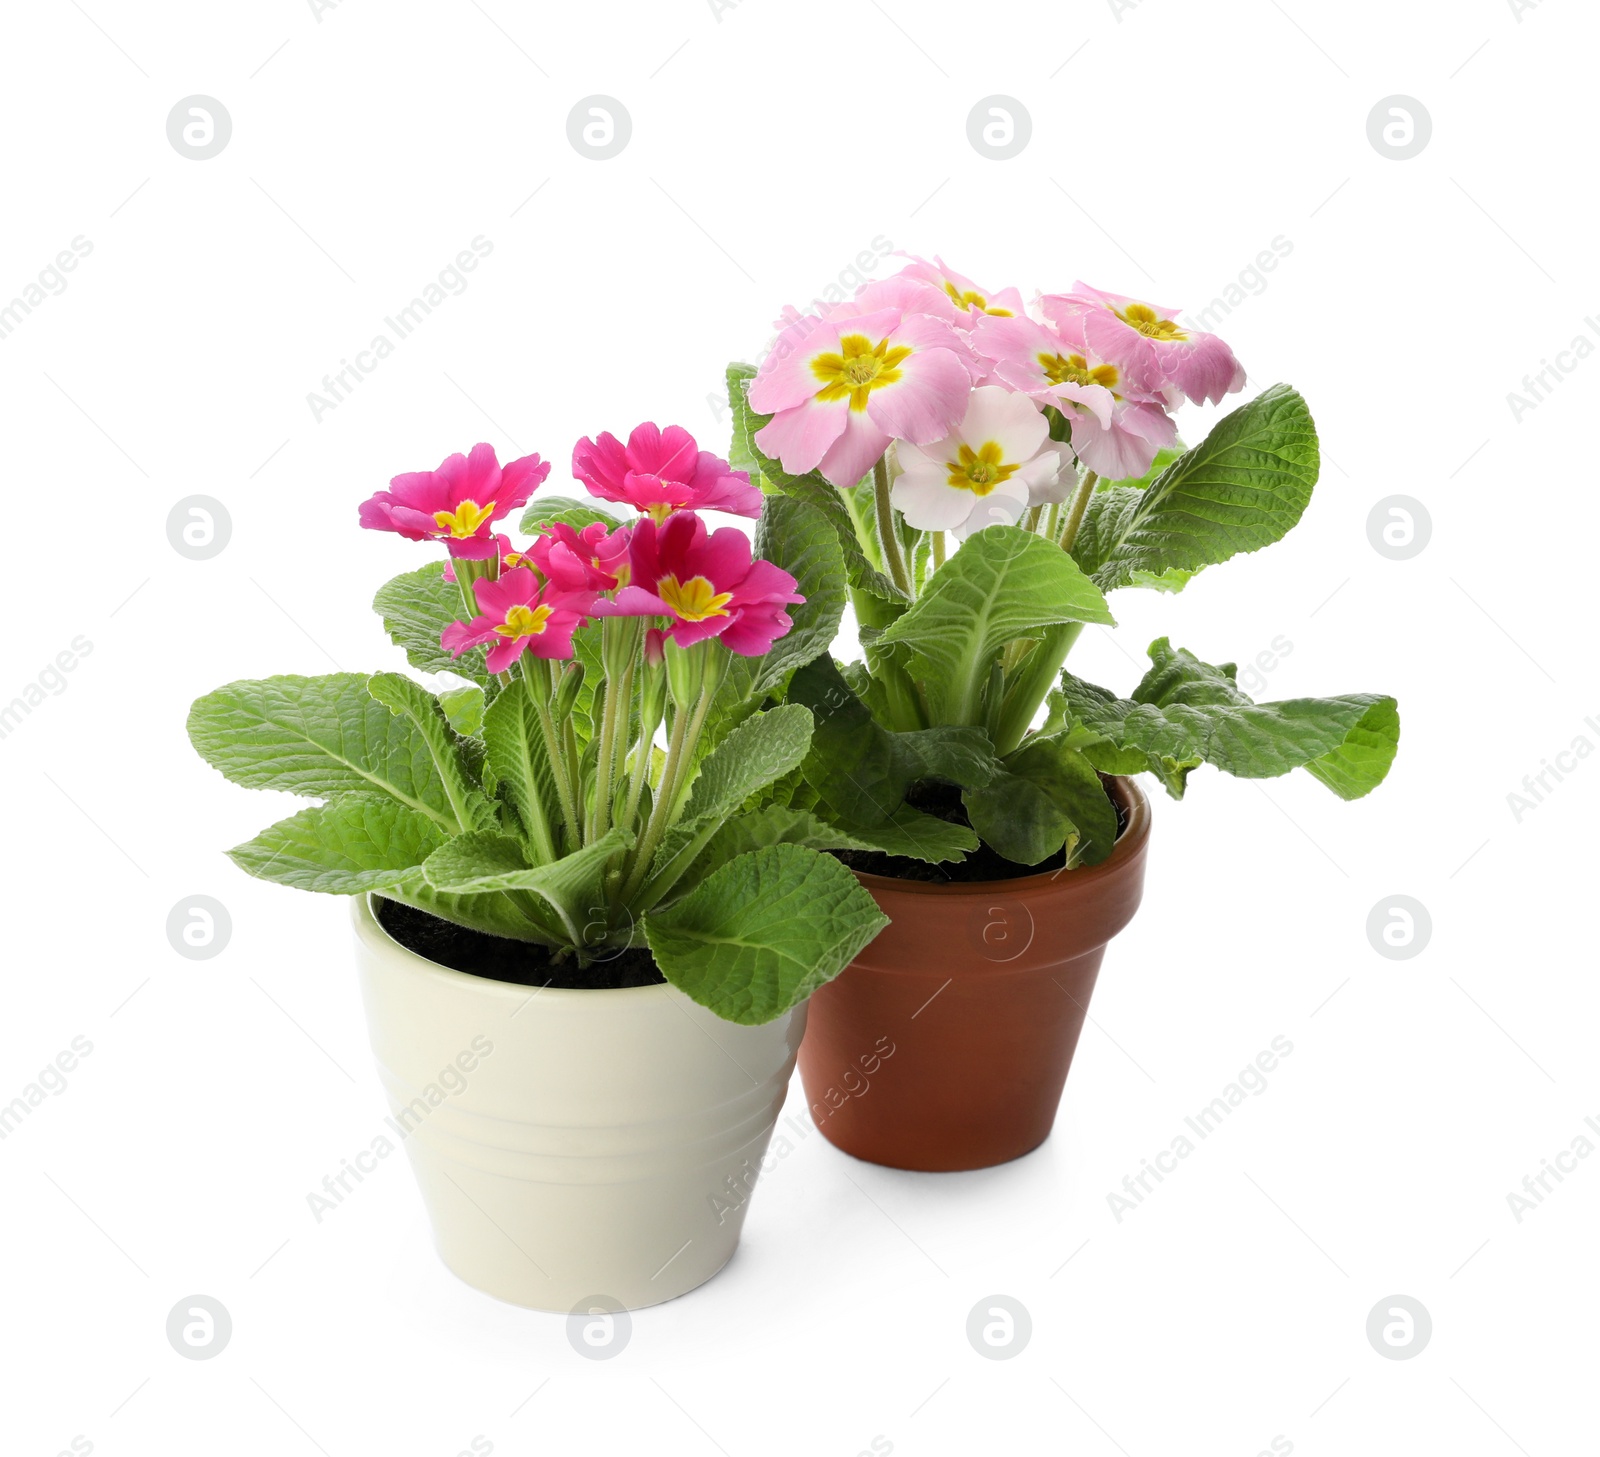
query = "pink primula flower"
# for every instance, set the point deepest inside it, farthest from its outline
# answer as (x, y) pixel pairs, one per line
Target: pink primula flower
(707, 584)
(594, 559)
(1147, 341)
(1116, 428)
(659, 471)
(969, 300)
(457, 504)
(519, 616)
(841, 388)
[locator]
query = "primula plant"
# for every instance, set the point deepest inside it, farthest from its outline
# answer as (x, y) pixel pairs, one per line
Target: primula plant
(1042, 438)
(530, 798)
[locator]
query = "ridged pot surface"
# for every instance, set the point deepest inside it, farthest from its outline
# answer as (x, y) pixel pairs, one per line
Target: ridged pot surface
(572, 1146)
(945, 1045)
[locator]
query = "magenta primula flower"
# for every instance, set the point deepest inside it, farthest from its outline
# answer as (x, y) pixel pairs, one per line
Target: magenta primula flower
(1116, 428)
(519, 616)
(659, 471)
(706, 583)
(1147, 341)
(594, 559)
(841, 388)
(457, 504)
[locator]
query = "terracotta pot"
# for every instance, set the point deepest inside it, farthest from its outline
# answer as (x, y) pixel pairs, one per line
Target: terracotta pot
(945, 1045)
(575, 1149)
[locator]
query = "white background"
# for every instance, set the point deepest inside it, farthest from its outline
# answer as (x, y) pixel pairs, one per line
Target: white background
(771, 143)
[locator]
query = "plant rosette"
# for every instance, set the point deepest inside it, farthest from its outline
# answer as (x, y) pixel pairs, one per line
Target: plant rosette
(980, 769)
(572, 885)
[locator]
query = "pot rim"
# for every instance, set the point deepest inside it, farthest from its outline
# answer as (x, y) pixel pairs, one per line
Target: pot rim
(370, 931)
(1130, 843)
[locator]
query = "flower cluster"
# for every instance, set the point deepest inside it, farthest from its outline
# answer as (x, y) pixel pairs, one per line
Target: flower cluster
(983, 405)
(694, 583)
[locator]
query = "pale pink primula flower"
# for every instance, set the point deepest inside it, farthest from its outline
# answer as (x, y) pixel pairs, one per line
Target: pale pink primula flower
(1116, 428)
(841, 388)
(986, 471)
(1148, 342)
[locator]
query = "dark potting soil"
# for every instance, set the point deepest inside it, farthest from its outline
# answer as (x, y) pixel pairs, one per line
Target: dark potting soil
(944, 802)
(524, 963)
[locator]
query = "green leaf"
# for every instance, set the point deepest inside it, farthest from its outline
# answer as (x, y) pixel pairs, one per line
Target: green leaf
(917, 836)
(759, 751)
(1243, 487)
(571, 886)
(576, 511)
(861, 770)
(416, 607)
(464, 708)
(1360, 764)
(1047, 796)
(473, 809)
(763, 931)
(1003, 583)
(773, 825)
(811, 488)
(1185, 712)
(495, 914)
(357, 843)
(515, 754)
(318, 738)
(798, 538)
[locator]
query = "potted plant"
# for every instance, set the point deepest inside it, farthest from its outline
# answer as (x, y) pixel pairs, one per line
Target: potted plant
(584, 955)
(995, 786)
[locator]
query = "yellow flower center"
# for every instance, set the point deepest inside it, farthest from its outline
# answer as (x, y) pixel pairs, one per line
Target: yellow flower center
(1145, 319)
(859, 368)
(694, 600)
(973, 300)
(981, 470)
(465, 520)
(522, 621)
(1074, 369)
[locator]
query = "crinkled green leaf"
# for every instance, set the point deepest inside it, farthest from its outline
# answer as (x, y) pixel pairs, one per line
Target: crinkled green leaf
(917, 836)
(861, 770)
(1243, 487)
(464, 708)
(798, 538)
(571, 887)
(357, 843)
(1046, 796)
(416, 607)
(516, 757)
(317, 737)
(473, 809)
(1004, 583)
(1185, 712)
(751, 756)
(773, 825)
(577, 512)
(763, 931)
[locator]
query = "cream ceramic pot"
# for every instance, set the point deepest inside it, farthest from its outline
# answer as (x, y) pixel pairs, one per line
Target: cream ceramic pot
(574, 1148)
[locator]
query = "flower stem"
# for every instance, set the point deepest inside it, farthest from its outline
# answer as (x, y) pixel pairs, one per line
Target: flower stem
(1080, 504)
(938, 550)
(538, 681)
(686, 729)
(888, 538)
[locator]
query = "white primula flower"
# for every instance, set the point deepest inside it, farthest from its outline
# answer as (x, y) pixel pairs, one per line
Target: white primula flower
(996, 463)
